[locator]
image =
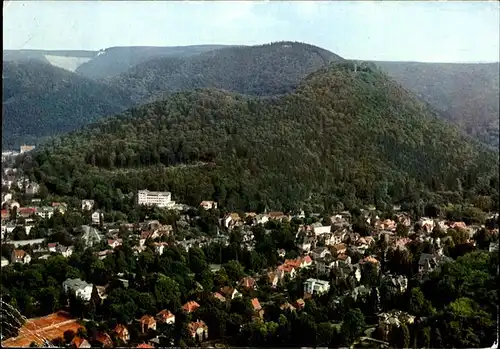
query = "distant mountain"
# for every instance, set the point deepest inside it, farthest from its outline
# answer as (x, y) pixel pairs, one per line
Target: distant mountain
(116, 60)
(104, 63)
(66, 59)
(270, 69)
(346, 134)
(465, 94)
(40, 100)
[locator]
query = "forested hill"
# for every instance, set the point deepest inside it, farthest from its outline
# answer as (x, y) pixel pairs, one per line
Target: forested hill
(40, 100)
(117, 60)
(262, 70)
(465, 94)
(346, 135)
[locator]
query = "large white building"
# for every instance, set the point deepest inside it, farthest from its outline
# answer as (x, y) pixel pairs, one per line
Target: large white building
(155, 198)
(313, 286)
(79, 288)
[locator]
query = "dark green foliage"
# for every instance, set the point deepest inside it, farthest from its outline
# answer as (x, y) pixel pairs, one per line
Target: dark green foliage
(344, 135)
(465, 94)
(263, 70)
(116, 60)
(40, 100)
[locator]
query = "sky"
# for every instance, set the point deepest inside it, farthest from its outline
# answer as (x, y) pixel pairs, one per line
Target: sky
(385, 30)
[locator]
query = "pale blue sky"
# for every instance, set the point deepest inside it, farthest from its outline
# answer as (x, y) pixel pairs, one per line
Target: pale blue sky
(407, 31)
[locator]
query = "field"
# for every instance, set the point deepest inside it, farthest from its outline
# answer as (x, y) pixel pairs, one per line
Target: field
(49, 327)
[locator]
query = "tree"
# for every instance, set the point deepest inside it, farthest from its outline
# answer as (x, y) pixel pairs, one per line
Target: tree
(68, 336)
(353, 325)
(418, 304)
(234, 270)
(400, 336)
(167, 292)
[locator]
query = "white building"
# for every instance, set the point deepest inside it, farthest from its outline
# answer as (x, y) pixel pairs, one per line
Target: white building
(5, 262)
(322, 230)
(97, 217)
(45, 212)
(79, 288)
(155, 198)
(87, 205)
(207, 205)
(313, 286)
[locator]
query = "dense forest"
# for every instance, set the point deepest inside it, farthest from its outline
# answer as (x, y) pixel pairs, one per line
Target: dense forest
(348, 135)
(55, 101)
(40, 100)
(464, 94)
(263, 70)
(116, 60)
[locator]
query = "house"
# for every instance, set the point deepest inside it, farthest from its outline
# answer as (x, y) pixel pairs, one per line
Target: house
(165, 317)
(97, 217)
(277, 215)
(248, 283)
(230, 219)
(79, 288)
(320, 252)
(230, 293)
(257, 308)
(325, 265)
(399, 282)
(160, 247)
(148, 234)
(320, 230)
(5, 262)
(87, 205)
(26, 148)
(101, 291)
(13, 204)
(429, 262)
(299, 304)
(144, 346)
(104, 340)
(52, 246)
(122, 333)
(218, 296)
(261, 219)
(79, 342)
(198, 330)
(102, 254)
(147, 323)
(284, 270)
(287, 306)
(65, 251)
(5, 214)
(208, 205)
(45, 212)
(313, 286)
(339, 248)
(155, 198)
(19, 256)
(339, 237)
(60, 206)
(190, 306)
(273, 278)
(26, 212)
(32, 189)
(114, 243)
(386, 321)
(493, 246)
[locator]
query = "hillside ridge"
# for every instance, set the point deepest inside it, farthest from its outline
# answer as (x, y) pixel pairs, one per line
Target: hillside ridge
(345, 135)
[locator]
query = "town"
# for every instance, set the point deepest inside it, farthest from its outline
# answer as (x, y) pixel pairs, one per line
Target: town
(176, 272)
